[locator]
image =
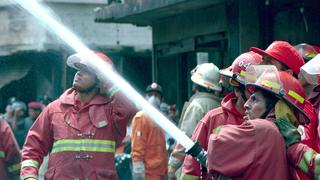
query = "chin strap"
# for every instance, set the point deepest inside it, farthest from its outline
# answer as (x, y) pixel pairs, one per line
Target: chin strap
(269, 106)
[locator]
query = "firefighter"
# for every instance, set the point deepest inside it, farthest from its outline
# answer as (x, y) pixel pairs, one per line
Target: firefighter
(148, 149)
(206, 78)
(255, 149)
(230, 112)
(310, 80)
(9, 153)
(282, 55)
(302, 156)
(286, 57)
(80, 130)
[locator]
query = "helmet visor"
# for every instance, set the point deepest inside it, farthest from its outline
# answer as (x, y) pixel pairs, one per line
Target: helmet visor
(306, 51)
(311, 71)
(265, 77)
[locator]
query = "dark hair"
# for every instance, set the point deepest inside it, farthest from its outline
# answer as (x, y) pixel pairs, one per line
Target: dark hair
(270, 101)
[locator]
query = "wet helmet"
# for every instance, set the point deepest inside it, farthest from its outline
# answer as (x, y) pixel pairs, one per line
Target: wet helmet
(282, 84)
(206, 75)
(283, 52)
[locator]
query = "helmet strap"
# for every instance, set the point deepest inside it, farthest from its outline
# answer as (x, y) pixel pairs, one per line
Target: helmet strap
(242, 93)
(269, 106)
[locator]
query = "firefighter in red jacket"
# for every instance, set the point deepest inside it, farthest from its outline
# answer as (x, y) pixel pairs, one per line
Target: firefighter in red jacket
(302, 156)
(9, 153)
(285, 57)
(80, 130)
(255, 149)
(230, 112)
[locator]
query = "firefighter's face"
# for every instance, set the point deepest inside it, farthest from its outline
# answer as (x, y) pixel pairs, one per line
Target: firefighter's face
(267, 60)
(85, 81)
(255, 106)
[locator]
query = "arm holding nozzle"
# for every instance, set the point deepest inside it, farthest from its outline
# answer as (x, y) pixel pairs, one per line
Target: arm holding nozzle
(198, 153)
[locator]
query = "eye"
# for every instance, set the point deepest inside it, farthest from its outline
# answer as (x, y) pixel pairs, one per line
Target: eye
(253, 97)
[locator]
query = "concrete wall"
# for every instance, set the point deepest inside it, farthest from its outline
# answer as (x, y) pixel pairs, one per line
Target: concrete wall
(22, 38)
(20, 31)
(79, 18)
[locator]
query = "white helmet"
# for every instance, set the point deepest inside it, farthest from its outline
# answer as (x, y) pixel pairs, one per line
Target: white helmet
(206, 75)
(311, 70)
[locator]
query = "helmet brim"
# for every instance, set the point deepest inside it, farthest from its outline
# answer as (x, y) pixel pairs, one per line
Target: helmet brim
(226, 72)
(206, 84)
(74, 60)
(251, 87)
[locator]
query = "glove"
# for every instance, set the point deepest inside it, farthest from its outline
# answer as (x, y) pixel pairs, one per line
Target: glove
(283, 111)
(138, 171)
(289, 132)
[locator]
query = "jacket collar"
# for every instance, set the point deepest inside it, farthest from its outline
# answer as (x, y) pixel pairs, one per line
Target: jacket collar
(205, 95)
(228, 103)
(68, 97)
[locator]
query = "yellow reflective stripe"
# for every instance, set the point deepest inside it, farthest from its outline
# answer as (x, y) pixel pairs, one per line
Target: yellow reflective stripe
(188, 177)
(15, 167)
(113, 90)
(217, 130)
(296, 96)
(317, 166)
(305, 160)
(2, 154)
(30, 162)
(92, 145)
(270, 84)
(310, 55)
(248, 76)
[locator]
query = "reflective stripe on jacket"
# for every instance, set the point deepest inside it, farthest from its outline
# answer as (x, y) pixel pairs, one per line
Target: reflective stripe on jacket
(81, 140)
(9, 153)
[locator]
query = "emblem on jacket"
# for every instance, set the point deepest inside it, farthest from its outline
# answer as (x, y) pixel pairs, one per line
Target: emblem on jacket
(102, 123)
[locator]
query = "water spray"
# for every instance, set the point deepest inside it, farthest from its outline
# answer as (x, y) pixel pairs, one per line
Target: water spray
(104, 70)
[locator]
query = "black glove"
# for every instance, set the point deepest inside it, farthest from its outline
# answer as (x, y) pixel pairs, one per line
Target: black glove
(289, 132)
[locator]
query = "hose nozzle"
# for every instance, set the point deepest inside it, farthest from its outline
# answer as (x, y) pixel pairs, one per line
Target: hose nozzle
(198, 153)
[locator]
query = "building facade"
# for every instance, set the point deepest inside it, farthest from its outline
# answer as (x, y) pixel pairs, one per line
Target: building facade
(33, 59)
(183, 30)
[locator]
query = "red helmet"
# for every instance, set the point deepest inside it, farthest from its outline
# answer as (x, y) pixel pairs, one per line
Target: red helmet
(79, 59)
(283, 52)
(154, 87)
(242, 63)
(282, 84)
